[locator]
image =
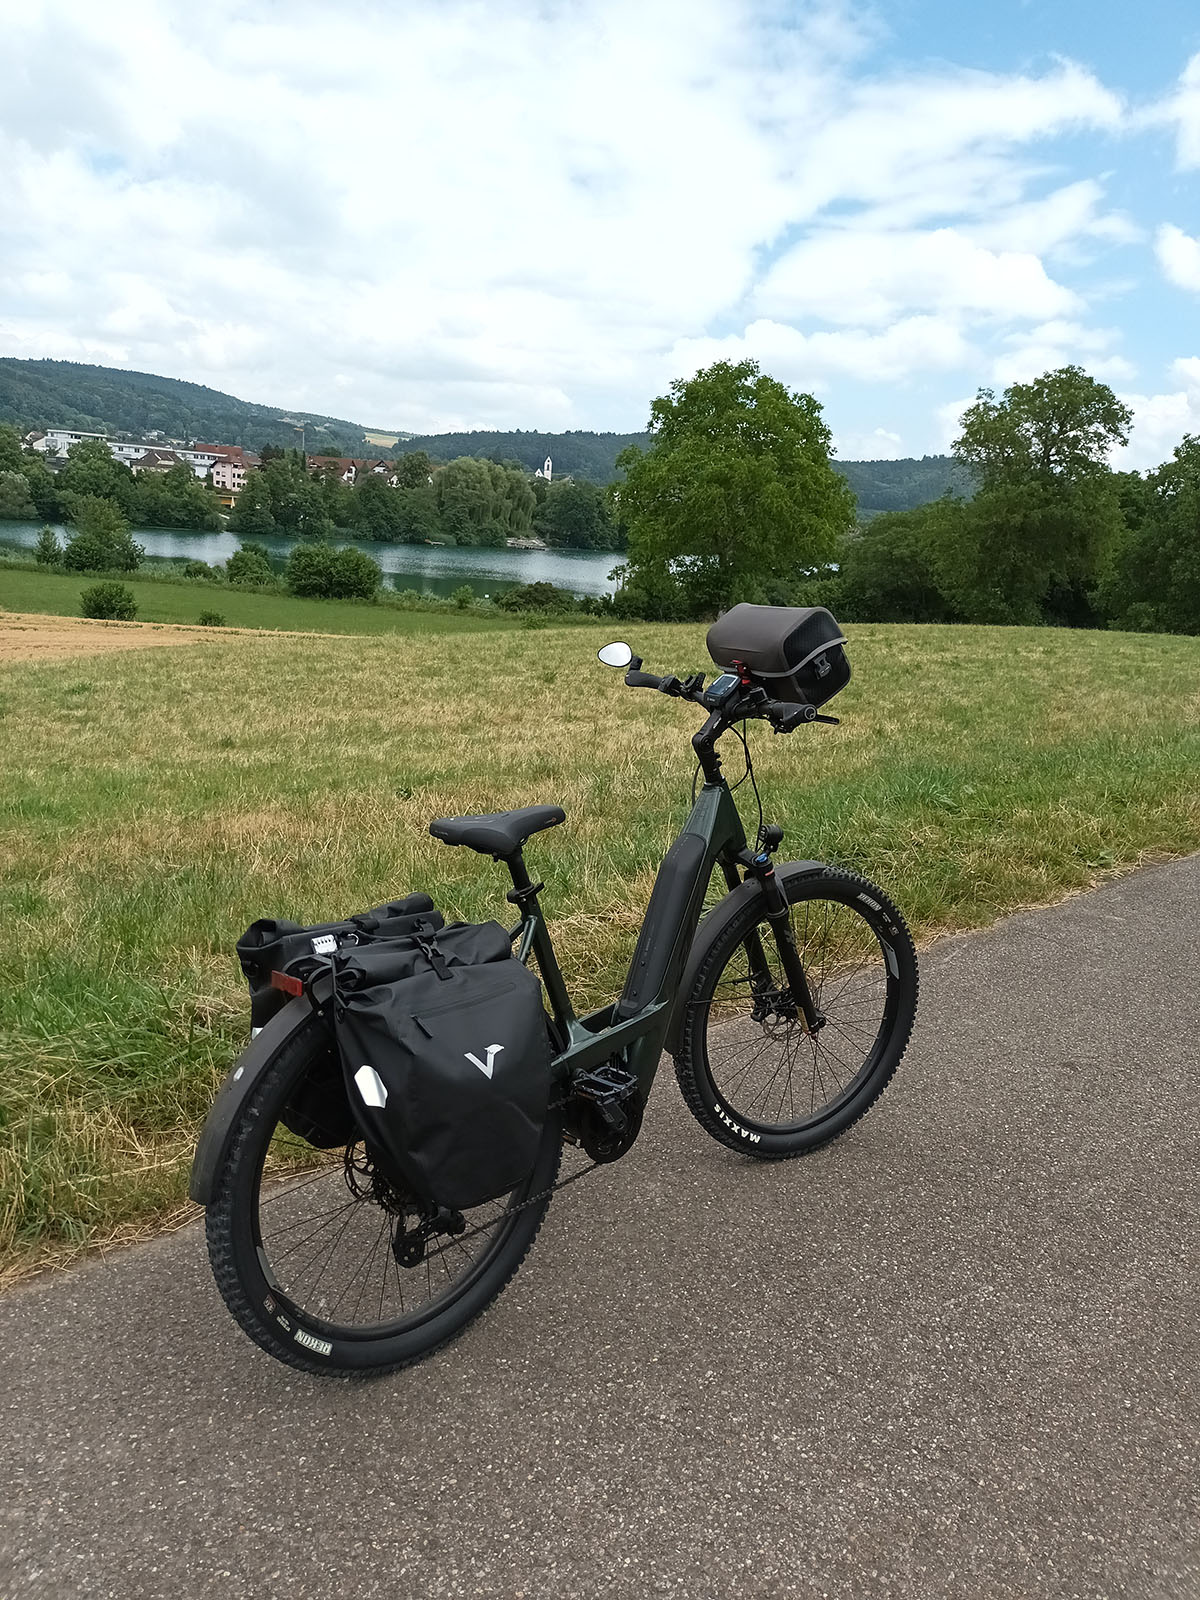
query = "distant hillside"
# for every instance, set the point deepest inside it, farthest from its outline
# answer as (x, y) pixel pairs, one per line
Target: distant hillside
(878, 485)
(69, 394)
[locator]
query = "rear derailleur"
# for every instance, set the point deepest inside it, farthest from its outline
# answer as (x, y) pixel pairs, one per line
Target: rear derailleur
(366, 1181)
(605, 1111)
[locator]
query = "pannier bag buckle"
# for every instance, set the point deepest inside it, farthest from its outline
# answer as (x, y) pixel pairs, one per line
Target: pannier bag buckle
(428, 948)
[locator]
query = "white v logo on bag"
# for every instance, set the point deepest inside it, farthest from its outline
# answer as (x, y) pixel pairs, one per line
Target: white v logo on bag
(493, 1050)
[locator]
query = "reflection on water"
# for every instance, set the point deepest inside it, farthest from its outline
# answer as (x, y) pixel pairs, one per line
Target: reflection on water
(430, 569)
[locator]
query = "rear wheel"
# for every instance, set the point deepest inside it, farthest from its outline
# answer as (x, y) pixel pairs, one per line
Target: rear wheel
(751, 1074)
(317, 1256)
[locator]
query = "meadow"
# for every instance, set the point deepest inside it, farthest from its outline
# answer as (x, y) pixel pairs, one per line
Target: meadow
(167, 597)
(154, 803)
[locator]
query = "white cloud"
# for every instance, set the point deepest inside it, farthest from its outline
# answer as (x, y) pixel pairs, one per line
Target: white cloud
(1178, 256)
(808, 360)
(1057, 344)
(880, 444)
(854, 276)
(532, 213)
(1182, 110)
(1161, 420)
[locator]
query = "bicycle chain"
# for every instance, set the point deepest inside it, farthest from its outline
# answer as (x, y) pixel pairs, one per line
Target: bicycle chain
(511, 1211)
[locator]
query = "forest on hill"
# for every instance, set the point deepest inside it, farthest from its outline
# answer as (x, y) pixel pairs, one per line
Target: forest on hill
(71, 394)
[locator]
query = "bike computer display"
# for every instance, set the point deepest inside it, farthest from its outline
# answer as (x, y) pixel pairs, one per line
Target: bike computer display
(720, 689)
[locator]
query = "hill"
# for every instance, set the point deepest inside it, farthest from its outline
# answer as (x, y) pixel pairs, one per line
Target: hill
(877, 485)
(70, 394)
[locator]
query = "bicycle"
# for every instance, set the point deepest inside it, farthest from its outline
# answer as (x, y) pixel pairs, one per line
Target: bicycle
(786, 1010)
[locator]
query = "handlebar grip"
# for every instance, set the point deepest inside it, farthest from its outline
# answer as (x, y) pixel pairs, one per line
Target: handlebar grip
(643, 680)
(786, 714)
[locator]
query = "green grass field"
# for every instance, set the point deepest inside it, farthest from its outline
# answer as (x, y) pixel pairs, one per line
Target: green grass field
(164, 600)
(153, 803)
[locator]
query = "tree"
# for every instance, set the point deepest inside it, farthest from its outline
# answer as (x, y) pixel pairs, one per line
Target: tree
(101, 541)
(375, 509)
(482, 502)
(320, 571)
(11, 456)
(413, 471)
(252, 509)
(576, 516)
(1155, 578)
(47, 551)
(15, 501)
(249, 564)
(1046, 516)
(91, 471)
(735, 491)
(889, 571)
(177, 499)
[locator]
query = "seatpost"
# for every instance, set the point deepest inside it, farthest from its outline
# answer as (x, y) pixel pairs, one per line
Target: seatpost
(523, 895)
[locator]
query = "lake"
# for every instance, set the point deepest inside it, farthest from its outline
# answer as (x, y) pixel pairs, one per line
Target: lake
(430, 569)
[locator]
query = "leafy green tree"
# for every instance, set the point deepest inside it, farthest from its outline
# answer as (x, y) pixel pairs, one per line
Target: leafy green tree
(889, 570)
(15, 500)
(413, 471)
(43, 486)
(252, 510)
(249, 564)
(376, 512)
(91, 471)
(11, 454)
(576, 516)
(416, 515)
(482, 502)
(319, 570)
(1047, 514)
(47, 551)
(1154, 584)
(110, 602)
(464, 597)
(735, 491)
(177, 499)
(102, 541)
(296, 501)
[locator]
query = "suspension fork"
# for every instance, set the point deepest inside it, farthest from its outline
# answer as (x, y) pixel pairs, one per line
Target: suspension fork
(779, 915)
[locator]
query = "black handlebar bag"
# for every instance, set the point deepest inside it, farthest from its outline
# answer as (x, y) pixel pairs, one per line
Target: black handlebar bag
(446, 1061)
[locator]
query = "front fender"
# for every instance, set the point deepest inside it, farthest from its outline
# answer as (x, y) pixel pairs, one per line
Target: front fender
(233, 1094)
(713, 926)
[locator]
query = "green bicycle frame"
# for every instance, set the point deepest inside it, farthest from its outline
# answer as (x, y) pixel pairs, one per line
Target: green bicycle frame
(636, 1024)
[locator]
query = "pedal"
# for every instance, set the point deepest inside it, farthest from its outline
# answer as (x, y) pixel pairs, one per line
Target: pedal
(610, 1115)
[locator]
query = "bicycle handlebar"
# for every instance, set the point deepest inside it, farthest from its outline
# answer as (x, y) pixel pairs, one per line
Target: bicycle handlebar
(783, 715)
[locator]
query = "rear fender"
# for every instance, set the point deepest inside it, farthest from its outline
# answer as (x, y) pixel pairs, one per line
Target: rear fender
(244, 1077)
(714, 925)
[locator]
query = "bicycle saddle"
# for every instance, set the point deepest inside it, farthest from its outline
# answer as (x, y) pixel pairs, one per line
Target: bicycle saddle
(499, 835)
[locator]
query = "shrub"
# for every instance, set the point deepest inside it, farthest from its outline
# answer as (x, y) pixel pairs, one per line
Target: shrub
(201, 569)
(211, 619)
(319, 571)
(108, 602)
(249, 565)
(537, 597)
(102, 541)
(47, 551)
(463, 597)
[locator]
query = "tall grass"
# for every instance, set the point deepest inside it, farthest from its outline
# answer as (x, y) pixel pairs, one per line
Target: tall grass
(152, 804)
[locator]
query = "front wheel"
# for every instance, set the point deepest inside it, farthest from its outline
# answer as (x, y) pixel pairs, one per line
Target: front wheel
(751, 1073)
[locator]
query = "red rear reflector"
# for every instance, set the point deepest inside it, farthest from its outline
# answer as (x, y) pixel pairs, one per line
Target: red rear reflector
(289, 985)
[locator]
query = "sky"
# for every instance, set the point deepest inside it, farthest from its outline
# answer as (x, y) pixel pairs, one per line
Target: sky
(448, 214)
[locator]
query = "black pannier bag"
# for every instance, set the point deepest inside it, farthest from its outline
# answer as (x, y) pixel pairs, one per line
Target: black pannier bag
(795, 652)
(272, 945)
(447, 1061)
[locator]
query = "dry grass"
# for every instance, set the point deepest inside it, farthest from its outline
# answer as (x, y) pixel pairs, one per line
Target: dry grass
(153, 805)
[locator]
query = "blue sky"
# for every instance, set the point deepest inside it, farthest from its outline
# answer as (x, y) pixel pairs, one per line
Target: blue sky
(450, 214)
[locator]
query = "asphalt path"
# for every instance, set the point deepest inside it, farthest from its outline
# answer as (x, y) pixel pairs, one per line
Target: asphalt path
(954, 1354)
